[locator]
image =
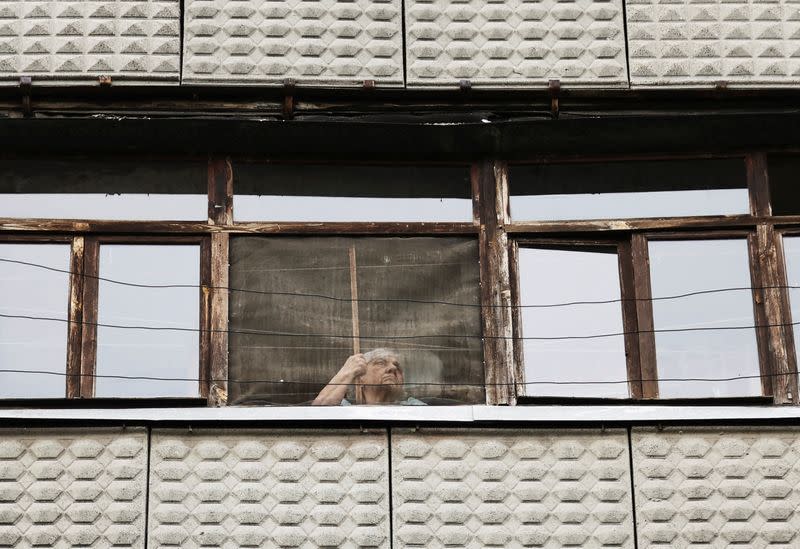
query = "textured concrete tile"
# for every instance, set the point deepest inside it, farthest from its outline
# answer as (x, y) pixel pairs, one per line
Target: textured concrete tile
(700, 42)
(70, 487)
(76, 41)
(320, 42)
(258, 488)
(717, 487)
(523, 43)
(511, 488)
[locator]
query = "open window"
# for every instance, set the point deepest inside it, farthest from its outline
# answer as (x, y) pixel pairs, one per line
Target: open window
(303, 305)
(628, 189)
(104, 188)
(351, 193)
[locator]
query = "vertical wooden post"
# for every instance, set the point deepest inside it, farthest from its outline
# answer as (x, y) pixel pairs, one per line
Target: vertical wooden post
(758, 185)
(774, 338)
(220, 212)
(640, 258)
(495, 283)
(75, 330)
(218, 320)
(630, 319)
(354, 299)
(220, 191)
(771, 304)
(91, 258)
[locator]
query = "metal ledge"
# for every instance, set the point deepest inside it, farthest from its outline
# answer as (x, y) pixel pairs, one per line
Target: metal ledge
(592, 415)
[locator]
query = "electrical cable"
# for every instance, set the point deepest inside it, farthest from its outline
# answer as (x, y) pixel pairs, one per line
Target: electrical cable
(401, 300)
(404, 384)
(399, 337)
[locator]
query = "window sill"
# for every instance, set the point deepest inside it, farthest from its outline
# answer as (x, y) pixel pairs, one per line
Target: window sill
(540, 416)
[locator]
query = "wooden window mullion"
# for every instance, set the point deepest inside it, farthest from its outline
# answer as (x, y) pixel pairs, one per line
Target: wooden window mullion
(786, 384)
(216, 266)
(630, 321)
(88, 362)
(516, 316)
(768, 300)
(643, 296)
(758, 184)
(495, 283)
(220, 191)
(75, 330)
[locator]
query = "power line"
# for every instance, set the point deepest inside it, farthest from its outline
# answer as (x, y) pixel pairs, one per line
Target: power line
(401, 300)
(404, 384)
(399, 337)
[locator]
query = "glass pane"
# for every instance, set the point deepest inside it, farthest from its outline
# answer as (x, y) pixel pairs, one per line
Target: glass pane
(791, 250)
(680, 267)
(148, 353)
(784, 184)
(283, 192)
(417, 297)
(618, 190)
(104, 188)
(33, 345)
(563, 276)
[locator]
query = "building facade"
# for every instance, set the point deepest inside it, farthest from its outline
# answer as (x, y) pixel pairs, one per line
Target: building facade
(575, 223)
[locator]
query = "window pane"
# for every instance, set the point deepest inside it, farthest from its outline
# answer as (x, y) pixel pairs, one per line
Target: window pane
(679, 267)
(33, 345)
(104, 188)
(791, 250)
(563, 276)
(784, 180)
(149, 353)
(283, 192)
(618, 190)
(403, 285)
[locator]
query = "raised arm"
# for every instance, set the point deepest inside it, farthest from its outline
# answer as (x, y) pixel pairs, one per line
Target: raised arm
(336, 389)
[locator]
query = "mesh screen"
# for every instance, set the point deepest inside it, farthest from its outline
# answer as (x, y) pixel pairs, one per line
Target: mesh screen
(292, 369)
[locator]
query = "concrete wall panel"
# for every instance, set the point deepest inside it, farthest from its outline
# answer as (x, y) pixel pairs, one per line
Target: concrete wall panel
(701, 42)
(521, 43)
(72, 487)
(61, 42)
(717, 487)
(255, 488)
(325, 42)
(511, 488)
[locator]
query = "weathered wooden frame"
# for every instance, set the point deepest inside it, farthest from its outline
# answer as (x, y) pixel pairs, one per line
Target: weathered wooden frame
(499, 239)
(777, 355)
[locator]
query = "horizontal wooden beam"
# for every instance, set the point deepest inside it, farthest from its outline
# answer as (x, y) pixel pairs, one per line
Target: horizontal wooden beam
(9, 226)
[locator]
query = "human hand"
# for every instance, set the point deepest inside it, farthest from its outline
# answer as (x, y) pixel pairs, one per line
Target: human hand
(355, 366)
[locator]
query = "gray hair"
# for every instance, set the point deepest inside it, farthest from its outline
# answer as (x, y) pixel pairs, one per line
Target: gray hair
(381, 353)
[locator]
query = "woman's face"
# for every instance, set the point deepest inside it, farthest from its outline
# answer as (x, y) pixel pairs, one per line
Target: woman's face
(384, 371)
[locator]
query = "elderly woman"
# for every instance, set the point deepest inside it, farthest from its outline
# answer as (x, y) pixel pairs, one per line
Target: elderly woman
(377, 377)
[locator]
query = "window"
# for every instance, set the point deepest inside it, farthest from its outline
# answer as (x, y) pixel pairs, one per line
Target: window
(618, 278)
(108, 188)
(680, 307)
(336, 193)
(701, 289)
(304, 304)
(628, 189)
(33, 351)
(161, 295)
(570, 310)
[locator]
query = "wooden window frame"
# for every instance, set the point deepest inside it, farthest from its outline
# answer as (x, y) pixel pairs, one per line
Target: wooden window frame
(777, 354)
